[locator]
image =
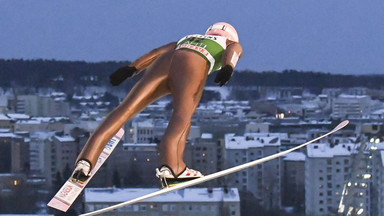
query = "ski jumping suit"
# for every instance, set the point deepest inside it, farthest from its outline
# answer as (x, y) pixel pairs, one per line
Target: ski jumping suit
(179, 69)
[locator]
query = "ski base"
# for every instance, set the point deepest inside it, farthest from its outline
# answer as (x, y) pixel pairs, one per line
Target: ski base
(69, 192)
(214, 175)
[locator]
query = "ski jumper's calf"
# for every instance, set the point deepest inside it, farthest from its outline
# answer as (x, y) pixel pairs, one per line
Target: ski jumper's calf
(179, 69)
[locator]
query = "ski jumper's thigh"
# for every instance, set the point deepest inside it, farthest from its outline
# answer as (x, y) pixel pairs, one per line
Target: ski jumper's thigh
(150, 87)
(187, 77)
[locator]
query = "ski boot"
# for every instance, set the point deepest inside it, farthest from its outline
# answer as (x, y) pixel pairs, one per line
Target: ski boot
(82, 171)
(168, 178)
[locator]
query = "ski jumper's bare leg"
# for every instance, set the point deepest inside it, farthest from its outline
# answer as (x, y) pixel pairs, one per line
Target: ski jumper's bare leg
(187, 77)
(150, 87)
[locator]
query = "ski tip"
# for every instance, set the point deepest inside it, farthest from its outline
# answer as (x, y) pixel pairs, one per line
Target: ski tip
(120, 133)
(342, 124)
(58, 204)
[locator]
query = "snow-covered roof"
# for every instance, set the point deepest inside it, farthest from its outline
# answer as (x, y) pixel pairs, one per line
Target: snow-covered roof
(4, 117)
(5, 130)
(206, 136)
(323, 150)
(9, 135)
(140, 144)
(251, 140)
(18, 116)
(25, 215)
(352, 96)
(378, 112)
(65, 138)
(117, 195)
(39, 120)
(42, 134)
(295, 156)
(145, 124)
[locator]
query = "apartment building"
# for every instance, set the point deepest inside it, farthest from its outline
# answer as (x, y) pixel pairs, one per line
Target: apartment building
(186, 202)
(14, 152)
(353, 105)
(263, 180)
(205, 155)
(37, 105)
(6, 122)
(60, 155)
(293, 184)
(327, 169)
(134, 164)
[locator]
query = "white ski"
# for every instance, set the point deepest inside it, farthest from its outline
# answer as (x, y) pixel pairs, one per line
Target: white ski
(68, 193)
(214, 175)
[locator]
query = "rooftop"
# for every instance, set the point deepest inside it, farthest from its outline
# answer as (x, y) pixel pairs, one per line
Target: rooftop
(118, 195)
(295, 156)
(253, 140)
(323, 150)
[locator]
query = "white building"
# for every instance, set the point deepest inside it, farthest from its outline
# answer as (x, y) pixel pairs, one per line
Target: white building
(378, 179)
(60, 154)
(186, 202)
(145, 130)
(35, 124)
(37, 105)
(37, 147)
(326, 171)
(263, 180)
(353, 105)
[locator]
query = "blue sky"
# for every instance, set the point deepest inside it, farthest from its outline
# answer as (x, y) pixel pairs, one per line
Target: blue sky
(335, 36)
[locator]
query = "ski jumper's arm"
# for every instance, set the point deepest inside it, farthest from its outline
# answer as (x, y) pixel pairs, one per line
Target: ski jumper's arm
(140, 64)
(145, 60)
(231, 56)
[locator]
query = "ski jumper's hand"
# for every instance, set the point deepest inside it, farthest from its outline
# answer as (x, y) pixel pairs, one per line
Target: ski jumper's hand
(231, 55)
(140, 64)
(122, 74)
(223, 75)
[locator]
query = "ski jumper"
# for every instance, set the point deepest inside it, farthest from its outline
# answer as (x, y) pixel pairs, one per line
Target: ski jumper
(179, 69)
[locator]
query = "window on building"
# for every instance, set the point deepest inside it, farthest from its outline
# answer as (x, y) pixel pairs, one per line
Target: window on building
(143, 208)
(165, 207)
(173, 207)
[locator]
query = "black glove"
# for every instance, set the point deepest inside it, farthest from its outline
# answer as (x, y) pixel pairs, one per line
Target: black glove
(122, 74)
(223, 75)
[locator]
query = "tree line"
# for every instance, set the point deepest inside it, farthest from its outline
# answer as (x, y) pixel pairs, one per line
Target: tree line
(46, 73)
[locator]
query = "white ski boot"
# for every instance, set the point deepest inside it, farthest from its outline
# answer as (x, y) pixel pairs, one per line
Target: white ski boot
(168, 178)
(82, 171)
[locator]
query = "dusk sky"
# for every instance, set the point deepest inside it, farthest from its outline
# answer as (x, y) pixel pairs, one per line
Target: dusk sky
(335, 36)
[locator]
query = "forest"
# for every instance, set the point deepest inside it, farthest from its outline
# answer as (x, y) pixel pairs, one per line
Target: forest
(45, 73)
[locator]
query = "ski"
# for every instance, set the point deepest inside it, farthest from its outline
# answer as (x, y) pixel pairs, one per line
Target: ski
(214, 175)
(68, 193)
